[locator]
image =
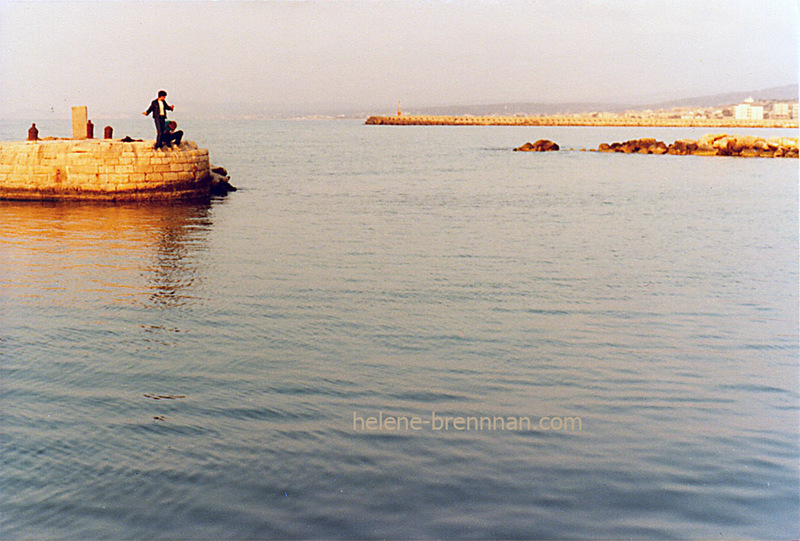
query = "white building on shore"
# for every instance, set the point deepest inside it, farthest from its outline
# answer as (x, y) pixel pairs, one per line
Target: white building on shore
(781, 110)
(748, 111)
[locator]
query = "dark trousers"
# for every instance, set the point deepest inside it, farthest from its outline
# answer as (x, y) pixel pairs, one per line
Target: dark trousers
(160, 127)
(173, 138)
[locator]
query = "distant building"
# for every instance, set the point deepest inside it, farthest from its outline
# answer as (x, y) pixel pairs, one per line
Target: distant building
(780, 110)
(746, 111)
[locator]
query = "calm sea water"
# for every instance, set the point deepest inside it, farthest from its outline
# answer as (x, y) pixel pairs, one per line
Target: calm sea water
(200, 371)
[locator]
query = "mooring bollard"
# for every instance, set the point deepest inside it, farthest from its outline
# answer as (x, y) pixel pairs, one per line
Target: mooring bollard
(33, 133)
(108, 132)
(89, 130)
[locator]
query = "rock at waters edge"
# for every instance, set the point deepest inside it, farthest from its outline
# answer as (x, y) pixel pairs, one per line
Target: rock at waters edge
(746, 146)
(542, 145)
(220, 181)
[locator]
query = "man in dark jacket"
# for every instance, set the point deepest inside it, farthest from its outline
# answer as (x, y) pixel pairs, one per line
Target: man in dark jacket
(159, 108)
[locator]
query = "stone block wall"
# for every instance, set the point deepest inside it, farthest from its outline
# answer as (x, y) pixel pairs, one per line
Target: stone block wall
(101, 169)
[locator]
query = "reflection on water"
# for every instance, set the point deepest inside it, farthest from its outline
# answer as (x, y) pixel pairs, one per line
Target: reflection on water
(74, 254)
(174, 269)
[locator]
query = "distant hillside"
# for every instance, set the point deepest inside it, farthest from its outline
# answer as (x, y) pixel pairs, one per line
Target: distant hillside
(778, 93)
(788, 92)
(527, 108)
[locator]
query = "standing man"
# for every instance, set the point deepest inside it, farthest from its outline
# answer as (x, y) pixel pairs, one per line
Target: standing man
(159, 108)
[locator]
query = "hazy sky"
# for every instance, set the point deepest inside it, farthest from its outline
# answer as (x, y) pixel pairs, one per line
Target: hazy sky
(114, 56)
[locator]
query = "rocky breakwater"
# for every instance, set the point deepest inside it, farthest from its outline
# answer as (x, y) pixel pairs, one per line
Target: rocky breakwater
(110, 170)
(746, 146)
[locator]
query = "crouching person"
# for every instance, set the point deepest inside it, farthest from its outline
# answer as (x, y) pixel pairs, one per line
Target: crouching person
(171, 137)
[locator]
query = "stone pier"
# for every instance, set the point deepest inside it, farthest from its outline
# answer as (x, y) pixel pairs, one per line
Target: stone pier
(576, 120)
(101, 169)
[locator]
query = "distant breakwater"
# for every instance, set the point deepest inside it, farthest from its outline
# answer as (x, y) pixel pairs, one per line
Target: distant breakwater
(102, 169)
(564, 120)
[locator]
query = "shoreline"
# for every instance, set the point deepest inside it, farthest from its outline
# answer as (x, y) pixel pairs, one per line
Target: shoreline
(435, 120)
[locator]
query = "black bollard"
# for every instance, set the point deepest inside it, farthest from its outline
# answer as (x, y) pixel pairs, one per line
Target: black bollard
(33, 133)
(108, 132)
(89, 130)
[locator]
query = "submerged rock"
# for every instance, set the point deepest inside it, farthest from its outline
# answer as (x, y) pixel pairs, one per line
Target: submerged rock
(682, 147)
(542, 145)
(636, 146)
